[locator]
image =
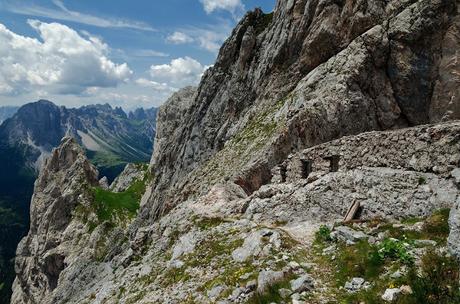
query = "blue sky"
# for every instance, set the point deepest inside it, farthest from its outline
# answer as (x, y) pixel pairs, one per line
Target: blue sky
(127, 53)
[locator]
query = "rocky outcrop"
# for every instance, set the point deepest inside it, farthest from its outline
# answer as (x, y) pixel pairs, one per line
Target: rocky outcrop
(44, 253)
(310, 72)
(130, 174)
(248, 165)
(78, 229)
(229, 246)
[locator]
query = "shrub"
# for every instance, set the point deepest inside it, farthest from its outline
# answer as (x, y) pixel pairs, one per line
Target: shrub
(323, 234)
(395, 249)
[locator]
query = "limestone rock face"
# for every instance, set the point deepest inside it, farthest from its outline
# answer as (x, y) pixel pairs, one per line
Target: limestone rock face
(310, 72)
(43, 253)
(297, 119)
(131, 173)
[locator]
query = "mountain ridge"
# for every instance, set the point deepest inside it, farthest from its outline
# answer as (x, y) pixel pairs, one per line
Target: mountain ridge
(318, 109)
(39, 126)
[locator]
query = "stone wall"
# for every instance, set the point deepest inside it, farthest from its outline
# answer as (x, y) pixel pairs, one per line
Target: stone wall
(430, 148)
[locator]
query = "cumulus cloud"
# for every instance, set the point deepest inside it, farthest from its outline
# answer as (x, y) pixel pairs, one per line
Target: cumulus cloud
(62, 60)
(179, 38)
(178, 73)
(229, 5)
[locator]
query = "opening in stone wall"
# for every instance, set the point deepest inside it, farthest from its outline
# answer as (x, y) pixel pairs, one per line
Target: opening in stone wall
(333, 163)
(306, 168)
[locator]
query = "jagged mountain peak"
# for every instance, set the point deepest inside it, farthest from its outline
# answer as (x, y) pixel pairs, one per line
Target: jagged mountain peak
(294, 127)
(38, 127)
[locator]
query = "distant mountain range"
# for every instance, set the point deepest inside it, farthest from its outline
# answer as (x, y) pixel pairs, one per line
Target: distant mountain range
(7, 112)
(110, 136)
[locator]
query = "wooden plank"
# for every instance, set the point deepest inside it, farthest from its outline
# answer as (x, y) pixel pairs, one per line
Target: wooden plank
(352, 212)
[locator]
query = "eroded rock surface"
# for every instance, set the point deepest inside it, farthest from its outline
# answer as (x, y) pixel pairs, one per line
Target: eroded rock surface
(234, 203)
(313, 71)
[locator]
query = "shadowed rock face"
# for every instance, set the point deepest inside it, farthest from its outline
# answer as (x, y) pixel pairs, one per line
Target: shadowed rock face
(310, 72)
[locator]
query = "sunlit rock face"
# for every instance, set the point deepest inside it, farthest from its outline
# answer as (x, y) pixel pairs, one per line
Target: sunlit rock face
(305, 111)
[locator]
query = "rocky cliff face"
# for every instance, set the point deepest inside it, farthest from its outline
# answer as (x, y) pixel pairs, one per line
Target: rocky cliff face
(249, 165)
(310, 72)
(72, 230)
(58, 190)
(6, 112)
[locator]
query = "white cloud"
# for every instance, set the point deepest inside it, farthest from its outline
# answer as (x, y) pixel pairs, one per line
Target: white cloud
(179, 72)
(61, 12)
(157, 86)
(209, 38)
(229, 5)
(148, 53)
(179, 38)
(62, 61)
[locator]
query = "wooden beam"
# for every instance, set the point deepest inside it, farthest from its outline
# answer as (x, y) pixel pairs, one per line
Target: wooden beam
(351, 213)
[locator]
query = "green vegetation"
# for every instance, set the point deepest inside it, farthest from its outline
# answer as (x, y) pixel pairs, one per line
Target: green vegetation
(205, 223)
(272, 295)
(263, 22)
(396, 250)
(438, 282)
(361, 260)
(108, 164)
(175, 275)
(323, 234)
(435, 227)
(422, 180)
(114, 208)
(109, 204)
(210, 248)
(16, 187)
(434, 280)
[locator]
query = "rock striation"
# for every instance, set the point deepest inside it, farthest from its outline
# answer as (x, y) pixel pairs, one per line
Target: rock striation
(44, 252)
(308, 73)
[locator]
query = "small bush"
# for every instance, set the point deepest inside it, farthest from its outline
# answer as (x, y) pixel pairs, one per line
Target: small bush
(323, 234)
(395, 249)
(422, 180)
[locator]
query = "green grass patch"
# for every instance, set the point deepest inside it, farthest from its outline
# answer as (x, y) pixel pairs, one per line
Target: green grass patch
(436, 226)
(438, 282)
(109, 204)
(272, 295)
(205, 223)
(113, 208)
(411, 220)
(211, 248)
(360, 260)
(175, 275)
